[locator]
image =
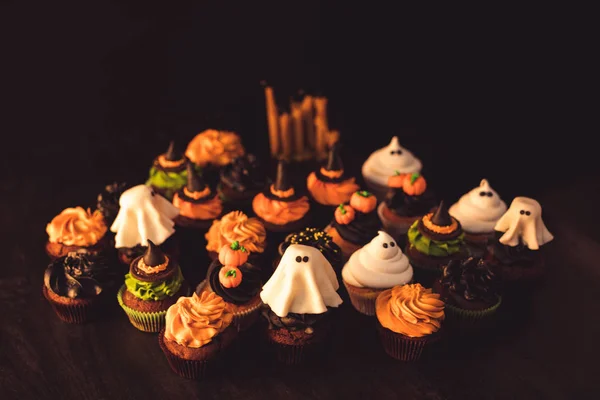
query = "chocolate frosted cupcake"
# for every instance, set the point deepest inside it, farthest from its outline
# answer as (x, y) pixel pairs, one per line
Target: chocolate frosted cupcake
(409, 319)
(433, 241)
(168, 173)
(236, 227)
(197, 330)
(75, 287)
(76, 229)
(154, 283)
(516, 252)
(280, 208)
(355, 224)
(107, 201)
(318, 239)
(198, 205)
(300, 300)
(408, 199)
(238, 282)
(240, 181)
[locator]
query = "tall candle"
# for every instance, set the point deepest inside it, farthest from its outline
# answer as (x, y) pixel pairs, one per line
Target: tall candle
(309, 123)
(273, 121)
(321, 125)
(286, 135)
(297, 126)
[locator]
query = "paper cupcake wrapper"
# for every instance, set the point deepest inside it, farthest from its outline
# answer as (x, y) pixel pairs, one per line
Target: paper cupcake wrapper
(404, 348)
(460, 315)
(77, 313)
(144, 321)
(189, 369)
(243, 320)
(291, 354)
(362, 300)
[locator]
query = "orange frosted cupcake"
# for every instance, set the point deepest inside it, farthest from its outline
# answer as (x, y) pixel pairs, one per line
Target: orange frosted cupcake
(329, 186)
(214, 147)
(409, 318)
(198, 205)
(280, 208)
(236, 227)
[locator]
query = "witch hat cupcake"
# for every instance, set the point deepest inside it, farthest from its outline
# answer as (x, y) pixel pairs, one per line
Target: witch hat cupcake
(198, 205)
(168, 172)
(280, 208)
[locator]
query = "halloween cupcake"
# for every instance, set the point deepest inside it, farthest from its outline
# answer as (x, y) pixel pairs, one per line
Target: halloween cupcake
(329, 186)
(168, 173)
(236, 227)
(433, 241)
(107, 201)
(385, 162)
(280, 208)
(240, 181)
(318, 239)
(198, 205)
(143, 215)
(76, 229)
(377, 266)
(409, 319)
(520, 235)
(478, 211)
(75, 287)
(300, 299)
(237, 281)
(197, 330)
(213, 147)
(355, 224)
(469, 289)
(408, 199)
(154, 283)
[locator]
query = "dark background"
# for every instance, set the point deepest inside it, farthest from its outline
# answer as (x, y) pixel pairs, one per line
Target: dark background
(94, 90)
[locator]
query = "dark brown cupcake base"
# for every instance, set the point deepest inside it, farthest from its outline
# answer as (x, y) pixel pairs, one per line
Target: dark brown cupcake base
(404, 348)
(72, 311)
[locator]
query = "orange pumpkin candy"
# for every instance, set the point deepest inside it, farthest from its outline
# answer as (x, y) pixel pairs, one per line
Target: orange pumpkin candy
(414, 184)
(233, 255)
(363, 201)
(344, 214)
(397, 180)
(230, 277)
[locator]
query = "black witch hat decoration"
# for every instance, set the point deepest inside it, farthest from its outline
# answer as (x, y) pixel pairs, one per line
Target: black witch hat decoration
(282, 181)
(195, 183)
(334, 163)
(172, 154)
(441, 217)
(154, 255)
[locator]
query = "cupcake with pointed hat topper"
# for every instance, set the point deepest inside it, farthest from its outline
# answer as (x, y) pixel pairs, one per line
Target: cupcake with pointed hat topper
(198, 205)
(377, 266)
(385, 162)
(355, 223)
(408, 198)
(154, 283)
(281, 208)
(240, 181)
(478, 211)
(520, 235)
(433, 241)
(330, 186)
(168, 173)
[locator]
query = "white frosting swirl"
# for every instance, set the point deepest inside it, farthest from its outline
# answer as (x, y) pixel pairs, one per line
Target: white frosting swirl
(384, 163)
(380, 264)
(479, 209)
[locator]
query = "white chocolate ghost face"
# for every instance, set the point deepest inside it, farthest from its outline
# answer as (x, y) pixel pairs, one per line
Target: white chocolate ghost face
(384, 163)
(479, 209)
(303, 283)
(523, 222)
(143, 215)
(484, 196)
(383, 247)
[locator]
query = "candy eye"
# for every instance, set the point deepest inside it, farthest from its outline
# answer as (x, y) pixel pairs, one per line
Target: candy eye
(392, 244)
(490, 194)
(522, 212)
(385, 245)
(482, 194)
(305, 259)
(298, 259)
(527, 212)
(152, 193)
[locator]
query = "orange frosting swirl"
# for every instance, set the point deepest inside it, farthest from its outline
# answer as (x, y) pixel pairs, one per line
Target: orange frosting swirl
(332, 174)
(214, 147)
(280, 212)
(77, 227)
(197, 195)
(209, 209)
(236, 226)
(330, 193)
(195, 321)
(149, 269)
(282, 194)
(443, 230)
(410, 310)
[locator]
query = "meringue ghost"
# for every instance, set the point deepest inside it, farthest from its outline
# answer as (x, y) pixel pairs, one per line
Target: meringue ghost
(380, 264)
(384, 163)
(303, 283)
(479, 209)
(143, 215)
(523, 223)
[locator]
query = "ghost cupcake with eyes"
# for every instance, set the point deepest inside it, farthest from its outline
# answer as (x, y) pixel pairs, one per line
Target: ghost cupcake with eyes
(478, 211)
(385, 162)
(168, 173)
(300, 297)
(377, 266)
(520, 235)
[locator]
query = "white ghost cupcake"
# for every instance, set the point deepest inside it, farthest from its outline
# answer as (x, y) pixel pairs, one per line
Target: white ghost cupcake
(478, 211)
(377, 266)
(386, 162)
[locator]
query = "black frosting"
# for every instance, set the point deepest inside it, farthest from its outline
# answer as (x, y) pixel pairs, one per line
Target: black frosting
(509, 255)
(409, 206)
(361, 230)
(471, 279)
(244, 174)
(249, 287)
(77, 275)
(318, 239)
(108, 201)
(292, 321)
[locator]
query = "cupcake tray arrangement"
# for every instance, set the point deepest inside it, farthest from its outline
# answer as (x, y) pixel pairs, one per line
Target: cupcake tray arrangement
(278, 256)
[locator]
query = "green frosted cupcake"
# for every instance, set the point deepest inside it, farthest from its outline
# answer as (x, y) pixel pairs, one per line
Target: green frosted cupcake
(168, 173)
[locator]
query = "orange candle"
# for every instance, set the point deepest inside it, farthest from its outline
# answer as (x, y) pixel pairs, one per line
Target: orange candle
(309, 124)
(297, 126)
(273, 121)
(286, 135)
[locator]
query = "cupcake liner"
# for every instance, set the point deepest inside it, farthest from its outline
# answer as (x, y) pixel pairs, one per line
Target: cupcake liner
(144, 321)
(243, 320)
(401, 347)
(79, 312)
(470, 316)
(288, 353)
(363, 299)
(189, 369)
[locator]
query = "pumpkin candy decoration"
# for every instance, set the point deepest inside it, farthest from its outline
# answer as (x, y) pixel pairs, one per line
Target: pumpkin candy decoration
(414, 185)
(230, 277)
(344, 214)
(397, 180)
(363, 201)
(233, 255)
